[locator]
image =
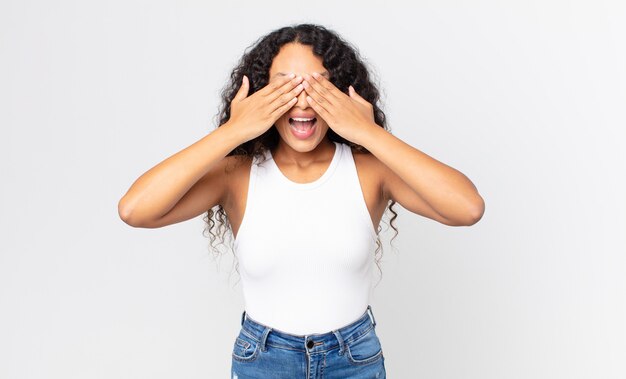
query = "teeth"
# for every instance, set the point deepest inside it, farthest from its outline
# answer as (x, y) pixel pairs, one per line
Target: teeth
(303, 119)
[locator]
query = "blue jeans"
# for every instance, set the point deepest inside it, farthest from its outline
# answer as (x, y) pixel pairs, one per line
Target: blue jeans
(352, 351)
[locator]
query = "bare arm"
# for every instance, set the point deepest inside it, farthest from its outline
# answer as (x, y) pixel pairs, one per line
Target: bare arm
(422, 184)
(159, 189)
(193, 180)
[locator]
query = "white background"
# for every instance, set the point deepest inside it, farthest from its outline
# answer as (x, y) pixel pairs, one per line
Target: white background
(526, 98)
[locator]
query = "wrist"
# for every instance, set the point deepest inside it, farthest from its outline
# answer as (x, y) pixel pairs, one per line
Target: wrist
(368, 133)
(233, 133)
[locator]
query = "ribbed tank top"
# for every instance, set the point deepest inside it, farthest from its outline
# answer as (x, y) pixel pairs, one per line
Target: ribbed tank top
(306, 250)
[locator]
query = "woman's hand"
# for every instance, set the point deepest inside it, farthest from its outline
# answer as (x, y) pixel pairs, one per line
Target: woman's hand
(347, 115)
(258, 112)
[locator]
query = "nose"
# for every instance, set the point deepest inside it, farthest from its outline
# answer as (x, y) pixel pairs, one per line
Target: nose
(302, 102)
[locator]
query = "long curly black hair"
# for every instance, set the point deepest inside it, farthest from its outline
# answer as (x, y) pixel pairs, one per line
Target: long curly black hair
(345, 67)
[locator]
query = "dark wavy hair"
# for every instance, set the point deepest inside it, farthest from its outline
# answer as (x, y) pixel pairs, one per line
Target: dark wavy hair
(345, 67)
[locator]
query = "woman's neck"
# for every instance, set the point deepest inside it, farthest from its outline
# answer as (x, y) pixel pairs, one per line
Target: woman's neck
(323, 152)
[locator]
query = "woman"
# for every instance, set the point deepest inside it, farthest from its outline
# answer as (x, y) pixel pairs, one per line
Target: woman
(302, 168)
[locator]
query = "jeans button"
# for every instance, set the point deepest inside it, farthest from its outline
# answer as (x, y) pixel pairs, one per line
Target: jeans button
(309, 344)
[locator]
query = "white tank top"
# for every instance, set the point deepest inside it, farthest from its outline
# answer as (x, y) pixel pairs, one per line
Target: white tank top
(306, 250)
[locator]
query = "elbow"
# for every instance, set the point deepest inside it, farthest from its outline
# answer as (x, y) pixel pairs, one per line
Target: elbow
(133, 218)
(124, 213)
(476, 212)
(470, 216)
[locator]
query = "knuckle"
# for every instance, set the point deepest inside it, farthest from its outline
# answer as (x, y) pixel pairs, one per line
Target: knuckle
(282, 89)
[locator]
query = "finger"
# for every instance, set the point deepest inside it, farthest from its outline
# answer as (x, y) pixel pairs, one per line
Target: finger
(353, 93)
(242, 93)
(284, 89)
(317, 96)
(324, 85)
(285, 98)
(278, 86)
(356, 96)
(316, 90)
(318, 108)
(274, 83)
(284, 108)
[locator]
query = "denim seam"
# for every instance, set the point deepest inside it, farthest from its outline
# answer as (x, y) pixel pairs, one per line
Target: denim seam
(353, 338)
(255, 354)
(371, 359)
(242, 343)
(249, 334)
(357, 336)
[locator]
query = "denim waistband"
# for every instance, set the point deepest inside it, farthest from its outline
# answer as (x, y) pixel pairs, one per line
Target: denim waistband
(310, 343)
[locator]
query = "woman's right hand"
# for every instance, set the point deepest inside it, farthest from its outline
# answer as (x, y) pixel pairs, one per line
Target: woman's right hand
(258, 112)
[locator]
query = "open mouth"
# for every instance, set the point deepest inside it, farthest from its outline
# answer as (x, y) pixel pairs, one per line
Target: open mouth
(302, 127)
(302, 123)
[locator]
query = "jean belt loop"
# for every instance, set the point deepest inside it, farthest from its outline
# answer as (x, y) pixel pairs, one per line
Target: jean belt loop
(243, 316)
(341, 342)
(371, 314)
(266, 332)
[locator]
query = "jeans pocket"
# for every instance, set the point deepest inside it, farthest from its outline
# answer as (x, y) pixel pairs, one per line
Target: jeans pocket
(365, 349)
(246, 348)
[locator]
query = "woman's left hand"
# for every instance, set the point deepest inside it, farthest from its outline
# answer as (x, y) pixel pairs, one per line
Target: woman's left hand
(347, 116)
